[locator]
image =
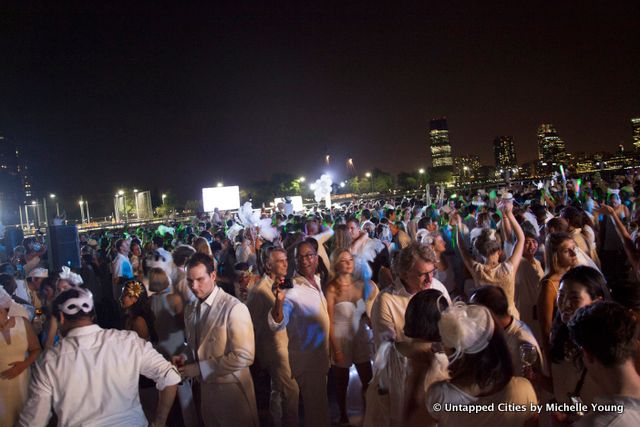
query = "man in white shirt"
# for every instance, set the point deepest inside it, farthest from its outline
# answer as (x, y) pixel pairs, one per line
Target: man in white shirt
(272, 347)
(528, 278)
(91, 377)
(221, 349)
(608, 336)
(121, 268)
(303, 311)
(415, 267)
(517, 333)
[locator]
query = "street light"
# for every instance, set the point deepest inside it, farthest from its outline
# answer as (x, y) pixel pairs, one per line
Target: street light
(219, 184)
(135, 197)
(302, 179)
(421, 177)
(53, 197)
(164, 196)
(81, 202)
(368, 175)
(124, 204)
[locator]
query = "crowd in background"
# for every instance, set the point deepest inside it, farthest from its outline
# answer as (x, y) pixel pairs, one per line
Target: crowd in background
(526, 294)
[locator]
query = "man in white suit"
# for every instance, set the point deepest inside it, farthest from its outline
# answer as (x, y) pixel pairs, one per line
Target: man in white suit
(221, 349)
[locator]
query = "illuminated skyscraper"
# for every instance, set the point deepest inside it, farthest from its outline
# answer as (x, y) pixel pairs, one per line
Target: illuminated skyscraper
(439, 144)
(635, 135)
(504, 152)
(12, 184)
(551, 148)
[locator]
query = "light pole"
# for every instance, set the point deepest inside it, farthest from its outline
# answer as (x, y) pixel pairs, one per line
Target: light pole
(86, 206)
(81, 203)
(36, 212)
(53, 197)
(368, 175)
(164, 196)
(124, 204)
(135, 197)
(421, 172)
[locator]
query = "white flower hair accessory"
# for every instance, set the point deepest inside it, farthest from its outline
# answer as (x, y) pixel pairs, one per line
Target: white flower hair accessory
(73, 278)
(83, 302)
(466, 328)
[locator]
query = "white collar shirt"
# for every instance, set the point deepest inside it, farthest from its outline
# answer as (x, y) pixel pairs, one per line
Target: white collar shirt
(307, 322)
(91, 379)
(387, 313)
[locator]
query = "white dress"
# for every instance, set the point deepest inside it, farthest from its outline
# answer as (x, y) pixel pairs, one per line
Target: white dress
(353, 336)
(171, 336)
(13, 392)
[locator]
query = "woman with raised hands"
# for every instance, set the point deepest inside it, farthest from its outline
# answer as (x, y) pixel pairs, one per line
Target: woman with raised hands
(495, 269)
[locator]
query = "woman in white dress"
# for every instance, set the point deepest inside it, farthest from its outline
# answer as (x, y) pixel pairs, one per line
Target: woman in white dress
(17, 339)
(349, 335)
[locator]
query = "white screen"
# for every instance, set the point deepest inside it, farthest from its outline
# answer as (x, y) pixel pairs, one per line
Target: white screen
(296, 202)
(223, 198)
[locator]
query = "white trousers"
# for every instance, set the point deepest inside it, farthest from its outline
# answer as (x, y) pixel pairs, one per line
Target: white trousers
(283, 402)
(313, 387)
(227, 405)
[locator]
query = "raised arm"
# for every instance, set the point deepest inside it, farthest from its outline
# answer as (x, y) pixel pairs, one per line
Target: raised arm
(460, 243)
(516, 256)
(633, 255)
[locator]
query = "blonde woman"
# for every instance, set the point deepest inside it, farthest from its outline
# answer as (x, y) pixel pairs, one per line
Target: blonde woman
(349, 336)
(561, 255)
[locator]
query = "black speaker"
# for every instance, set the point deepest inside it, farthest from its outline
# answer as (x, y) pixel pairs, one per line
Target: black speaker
(63, 247)
(13, 237)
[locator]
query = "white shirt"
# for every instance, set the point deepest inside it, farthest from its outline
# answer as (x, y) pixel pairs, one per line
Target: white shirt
(91, 379)
(527, 289)
(307, 322)
(387, 314)
(620, 411)
(121, 267)
(516, 334)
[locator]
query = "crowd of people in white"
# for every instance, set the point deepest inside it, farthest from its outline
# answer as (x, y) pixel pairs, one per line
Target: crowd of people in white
(526, 297)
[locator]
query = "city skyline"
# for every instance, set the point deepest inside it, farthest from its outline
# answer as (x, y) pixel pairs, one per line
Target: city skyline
(100, 97)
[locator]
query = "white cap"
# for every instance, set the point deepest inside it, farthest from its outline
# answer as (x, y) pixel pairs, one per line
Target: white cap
(38, 272)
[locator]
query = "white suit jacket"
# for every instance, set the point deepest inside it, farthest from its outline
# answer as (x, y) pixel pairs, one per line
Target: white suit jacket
(226, 345)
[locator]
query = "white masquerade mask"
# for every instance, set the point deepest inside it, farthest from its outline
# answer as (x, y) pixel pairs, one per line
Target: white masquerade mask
(83, 302)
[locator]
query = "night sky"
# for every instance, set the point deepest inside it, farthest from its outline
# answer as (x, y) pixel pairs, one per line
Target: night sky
(177, 98)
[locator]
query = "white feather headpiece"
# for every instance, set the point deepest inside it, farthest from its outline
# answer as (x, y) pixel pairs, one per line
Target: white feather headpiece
(247, 217)
(466, 328)
(73, 278)
(266, 230)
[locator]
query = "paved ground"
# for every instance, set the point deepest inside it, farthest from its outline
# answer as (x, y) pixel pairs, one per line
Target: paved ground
(354, 400)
